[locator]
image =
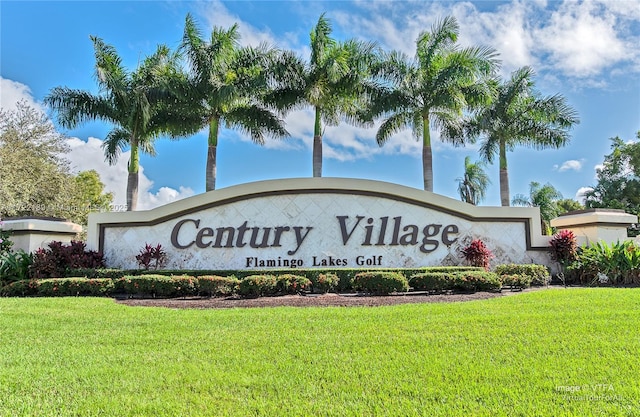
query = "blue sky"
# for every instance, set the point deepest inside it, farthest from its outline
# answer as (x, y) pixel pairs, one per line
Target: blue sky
(585, 50)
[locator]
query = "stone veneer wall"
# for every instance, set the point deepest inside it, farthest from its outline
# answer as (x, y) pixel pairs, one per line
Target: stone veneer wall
(312, 210)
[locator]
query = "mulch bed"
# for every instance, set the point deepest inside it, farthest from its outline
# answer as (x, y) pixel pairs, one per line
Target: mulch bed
(324, 300)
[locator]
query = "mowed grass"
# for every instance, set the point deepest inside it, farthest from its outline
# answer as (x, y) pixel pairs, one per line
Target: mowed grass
(553, 352)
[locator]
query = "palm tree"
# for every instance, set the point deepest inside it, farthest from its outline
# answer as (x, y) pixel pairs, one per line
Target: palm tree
(473, 185)
(226, 85)
(518, 115)
(544, 196)
(434, 89)
(134, 102)
(334, 82)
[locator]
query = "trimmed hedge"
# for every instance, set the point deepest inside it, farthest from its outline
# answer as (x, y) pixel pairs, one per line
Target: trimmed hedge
(60, 287)
(157, 286)
(466, 281)
(436, 279)
(292, 284)
(324, 283)
(539, 273)
(380, 282)
(258, 286)
(213, 285)
(516, 281)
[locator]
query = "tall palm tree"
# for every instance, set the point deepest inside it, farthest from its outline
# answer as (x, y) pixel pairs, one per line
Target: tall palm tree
(518, 115)
(134, 102)
(334, 82)
(434, 89)
(544, 196)
(473, 185)
(226, 85)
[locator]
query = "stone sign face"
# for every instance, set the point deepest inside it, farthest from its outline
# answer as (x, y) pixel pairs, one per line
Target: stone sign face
(317, 223)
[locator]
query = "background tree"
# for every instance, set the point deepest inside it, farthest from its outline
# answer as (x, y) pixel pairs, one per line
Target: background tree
(136, 103)
(519, 115)
(473, 185)
(618, 184)
(35, 177)
(226, 84)
(335, 83)
(89, 196)
(434, 89)
(544, 196)
(567, 204)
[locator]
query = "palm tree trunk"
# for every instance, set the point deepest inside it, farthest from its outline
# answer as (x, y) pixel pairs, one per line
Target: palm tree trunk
(132, 179)
(317, 146)
(504, 175)
(210, 183)
(427, 157)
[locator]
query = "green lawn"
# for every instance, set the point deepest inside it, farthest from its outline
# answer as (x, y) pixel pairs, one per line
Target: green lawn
(553, 352)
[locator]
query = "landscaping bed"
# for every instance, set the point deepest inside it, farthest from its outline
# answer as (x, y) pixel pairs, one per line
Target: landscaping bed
(321, 300)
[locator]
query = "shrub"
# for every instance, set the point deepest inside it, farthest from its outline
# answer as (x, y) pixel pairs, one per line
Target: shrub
(324, 282)
(292, 284)
(73, 287)
(515, 281)
(563, 247)
(59, 258)
(212, 285)
(183, 286)
(152, 256)
(539, 274)
(477, 254)
(476, 281)
(5, 242)
(24, 288)
(14, 266)
(432, 281)
(156, 285)
(98, 273)
(258, 285)
(380, 282)
(601, 263)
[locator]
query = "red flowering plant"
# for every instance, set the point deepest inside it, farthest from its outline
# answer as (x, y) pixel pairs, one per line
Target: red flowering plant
(477, 254)
(152, 256)
(563, 248)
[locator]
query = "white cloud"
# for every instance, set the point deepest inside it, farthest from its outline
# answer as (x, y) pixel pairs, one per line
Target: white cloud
(569, 165)
(89, 155)
(582, 39)
(216, 14)
(580, 194)
(12, 92)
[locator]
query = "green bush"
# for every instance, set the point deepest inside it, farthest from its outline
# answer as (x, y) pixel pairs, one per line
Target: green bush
(258, 285)
(292, 284)
(324, 283)
(601, 263)
(539, 273)
(432, 281)
(24, 288)
(515, 281)
(14, 266)
(156, 285)
(476, 281)
(213, 285)
(184, 286)
(73, 287)
(380, 282)
(100, 273)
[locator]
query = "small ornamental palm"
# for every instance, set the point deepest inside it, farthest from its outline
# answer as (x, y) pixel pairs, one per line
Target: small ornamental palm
(473, 185)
